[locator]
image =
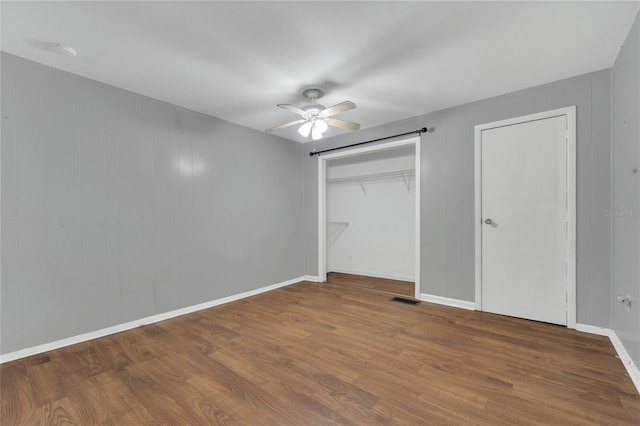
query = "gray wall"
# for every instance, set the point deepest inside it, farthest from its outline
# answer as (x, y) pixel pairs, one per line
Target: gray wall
(116, 207)
(626, 192)
(447, 240)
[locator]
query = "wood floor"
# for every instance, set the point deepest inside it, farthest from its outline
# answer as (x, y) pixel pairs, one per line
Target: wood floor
(318, 354)
(400, 288)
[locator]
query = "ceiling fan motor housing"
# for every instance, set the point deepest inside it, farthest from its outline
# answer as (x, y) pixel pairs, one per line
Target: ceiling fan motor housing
(313, 109)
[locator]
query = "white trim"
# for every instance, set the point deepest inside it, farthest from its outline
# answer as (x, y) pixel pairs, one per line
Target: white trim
(456, 303)
(572, 224)
(628, 363)
(478, 217)
(592, 329)
(311, 278)
(322, 200)
(625, 358)
(418, 169)
(322, 220)
(373, 274)
(34, 350)
(570, 113)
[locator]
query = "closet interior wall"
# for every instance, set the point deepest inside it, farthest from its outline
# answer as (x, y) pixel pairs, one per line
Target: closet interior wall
(371, 214)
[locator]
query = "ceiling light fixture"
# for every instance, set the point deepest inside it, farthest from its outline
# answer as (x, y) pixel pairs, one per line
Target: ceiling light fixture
(305, 129)
(316, 133)
(316, 118)
(63, 50)
(319, 127)
(315, 124)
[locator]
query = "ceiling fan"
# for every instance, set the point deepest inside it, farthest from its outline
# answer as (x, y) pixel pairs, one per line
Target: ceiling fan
(315, 117)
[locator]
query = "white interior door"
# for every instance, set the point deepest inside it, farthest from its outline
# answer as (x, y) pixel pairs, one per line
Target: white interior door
(524, 220)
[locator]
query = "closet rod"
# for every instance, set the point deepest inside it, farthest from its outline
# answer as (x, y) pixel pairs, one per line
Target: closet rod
(419, 131)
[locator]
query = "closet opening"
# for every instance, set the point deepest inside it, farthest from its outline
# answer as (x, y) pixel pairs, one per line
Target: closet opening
(369, 217)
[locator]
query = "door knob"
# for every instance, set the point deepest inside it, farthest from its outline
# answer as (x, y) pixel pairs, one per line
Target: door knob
(488, 221)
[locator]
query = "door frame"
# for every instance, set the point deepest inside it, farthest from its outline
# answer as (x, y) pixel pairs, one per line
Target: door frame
(570, 113)
(322, 201)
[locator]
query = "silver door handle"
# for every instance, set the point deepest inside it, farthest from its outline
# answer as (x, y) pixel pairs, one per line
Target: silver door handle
(488, 221)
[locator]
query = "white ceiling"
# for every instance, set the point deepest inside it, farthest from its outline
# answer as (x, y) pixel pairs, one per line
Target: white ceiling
(237, 60)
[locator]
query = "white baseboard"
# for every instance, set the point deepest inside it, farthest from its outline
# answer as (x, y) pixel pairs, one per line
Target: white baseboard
(592, 329)
(628, 363)
(34, 350)
(456, 303)
(312, 278)
(373, 274)
(624, 356)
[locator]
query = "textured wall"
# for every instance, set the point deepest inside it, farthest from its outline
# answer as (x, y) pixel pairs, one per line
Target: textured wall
(447, 240)
(116, 207)
(625, 214)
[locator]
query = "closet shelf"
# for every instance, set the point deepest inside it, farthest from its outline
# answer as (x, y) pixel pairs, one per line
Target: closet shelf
(403, 175)
(399, 174)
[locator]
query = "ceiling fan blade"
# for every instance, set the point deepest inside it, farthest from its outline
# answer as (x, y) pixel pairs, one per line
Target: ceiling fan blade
(284, 126)
(337, 109)
(293, 109)
(348, 125)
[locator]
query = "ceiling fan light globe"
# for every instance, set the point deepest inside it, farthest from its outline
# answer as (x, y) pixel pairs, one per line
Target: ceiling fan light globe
(305, 129)
(321, 126)
(316, 133)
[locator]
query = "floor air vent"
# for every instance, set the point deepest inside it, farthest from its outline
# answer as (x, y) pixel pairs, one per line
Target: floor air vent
(407, 301)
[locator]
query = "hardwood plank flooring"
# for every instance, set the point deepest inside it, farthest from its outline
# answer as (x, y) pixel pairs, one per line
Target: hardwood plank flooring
(319, 354)
(399, 288)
